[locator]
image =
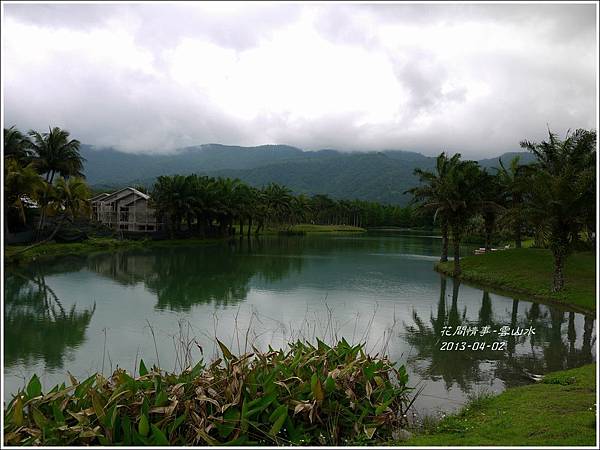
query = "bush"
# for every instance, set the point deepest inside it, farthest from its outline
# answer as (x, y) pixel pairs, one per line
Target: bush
(306, 395)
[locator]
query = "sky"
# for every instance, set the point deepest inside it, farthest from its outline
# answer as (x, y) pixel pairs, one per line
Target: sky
(470, 78)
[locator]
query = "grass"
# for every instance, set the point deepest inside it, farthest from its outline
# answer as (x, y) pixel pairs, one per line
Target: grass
(528, 271)
(53, 249)
(310, 228)
(561, 410)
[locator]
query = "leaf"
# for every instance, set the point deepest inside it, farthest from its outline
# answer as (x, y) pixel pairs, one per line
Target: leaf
(143, 426)
(159, 436)
(18, 411)
(329, 385)
(370, 431)
(161, 399)
(143, 369)
(34, 387)
(57, 412)
(368, 389)
(278, 411)
(97, 404)
(39, 419)
(316, 388)
(226, 353)
(279, 421)
(230, 420)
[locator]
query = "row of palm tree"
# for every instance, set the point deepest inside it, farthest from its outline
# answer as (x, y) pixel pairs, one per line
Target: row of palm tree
(208, 205)
(32, 162)
(552, 198)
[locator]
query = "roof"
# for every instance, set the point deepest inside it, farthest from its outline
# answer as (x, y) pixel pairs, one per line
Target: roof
(99, 196)
(133, 191)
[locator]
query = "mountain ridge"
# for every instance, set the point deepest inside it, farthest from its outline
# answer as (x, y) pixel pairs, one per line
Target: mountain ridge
(381, 176)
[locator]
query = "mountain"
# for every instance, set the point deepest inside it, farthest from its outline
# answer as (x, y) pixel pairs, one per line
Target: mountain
(377, 176)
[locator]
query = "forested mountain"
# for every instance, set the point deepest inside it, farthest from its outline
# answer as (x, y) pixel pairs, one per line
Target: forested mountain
(376, 176)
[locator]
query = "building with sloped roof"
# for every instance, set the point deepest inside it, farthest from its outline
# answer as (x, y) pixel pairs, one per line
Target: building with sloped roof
(125, 210)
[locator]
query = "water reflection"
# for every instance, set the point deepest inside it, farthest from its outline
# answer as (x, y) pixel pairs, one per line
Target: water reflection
(366, 285)
(36, 325)
(552, 347)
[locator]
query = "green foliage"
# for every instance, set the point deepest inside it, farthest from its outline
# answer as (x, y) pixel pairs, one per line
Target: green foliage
(528, 271)
(560, 411)
(306, 395)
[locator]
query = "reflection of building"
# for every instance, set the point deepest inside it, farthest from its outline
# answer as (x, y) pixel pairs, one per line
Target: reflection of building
(126, 210)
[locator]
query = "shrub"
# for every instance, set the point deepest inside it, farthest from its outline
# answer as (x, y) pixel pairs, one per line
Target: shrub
(306, 395)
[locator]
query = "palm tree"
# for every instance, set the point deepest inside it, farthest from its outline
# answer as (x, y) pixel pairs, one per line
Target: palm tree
(17, 146)
(460, 202)
(55, 153)
(493, 198)
(67, 201)
(19, 182)
(278, 200)
(514, 184)
(431, 193)
(561, 191)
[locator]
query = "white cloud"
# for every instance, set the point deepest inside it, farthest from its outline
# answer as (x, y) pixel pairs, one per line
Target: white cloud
(143, 77)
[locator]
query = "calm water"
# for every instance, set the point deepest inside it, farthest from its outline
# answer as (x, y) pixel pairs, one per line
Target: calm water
(97, 312)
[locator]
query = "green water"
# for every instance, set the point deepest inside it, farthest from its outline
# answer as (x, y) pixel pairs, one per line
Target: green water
(96, 312)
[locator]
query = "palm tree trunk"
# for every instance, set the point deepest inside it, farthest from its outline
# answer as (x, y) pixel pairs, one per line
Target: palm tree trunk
(49, 238)
(456, 241)
(489, 228)
(444, 256)
(558, 281)
(518, 235)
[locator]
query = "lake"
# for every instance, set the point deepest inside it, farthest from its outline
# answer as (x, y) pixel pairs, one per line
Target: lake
(166, 304)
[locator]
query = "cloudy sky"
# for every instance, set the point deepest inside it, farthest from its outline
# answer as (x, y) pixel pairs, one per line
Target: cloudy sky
(154, 77)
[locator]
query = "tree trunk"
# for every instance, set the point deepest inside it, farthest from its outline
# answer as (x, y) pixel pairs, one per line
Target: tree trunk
(249, 225)
(489, 229)
(518, 235)
(444, 256)
(558, 281)
(49, 238)
(456, 241)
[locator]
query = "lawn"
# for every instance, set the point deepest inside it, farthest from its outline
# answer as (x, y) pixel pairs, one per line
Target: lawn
(528, 271)
(561, 410)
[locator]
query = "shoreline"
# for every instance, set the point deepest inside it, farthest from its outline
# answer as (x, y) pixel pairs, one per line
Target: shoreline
(96, 244)
(558, 410)
(503, 272)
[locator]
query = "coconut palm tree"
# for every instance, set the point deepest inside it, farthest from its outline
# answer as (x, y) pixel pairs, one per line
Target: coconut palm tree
(493, 199)
(561, 191)
(461, 201)
(514, 182)
(19, 182)
(68, 200)
(433, 190)
(17, 146)
(55, 153)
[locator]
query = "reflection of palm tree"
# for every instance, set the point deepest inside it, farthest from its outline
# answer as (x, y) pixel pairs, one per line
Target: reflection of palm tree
(548, 349)
(36, 325)
(184, 277)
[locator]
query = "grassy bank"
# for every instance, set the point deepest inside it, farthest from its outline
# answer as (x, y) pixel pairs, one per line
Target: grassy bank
(12, 253)
(310, 228)
(561, 410)
(528, 271)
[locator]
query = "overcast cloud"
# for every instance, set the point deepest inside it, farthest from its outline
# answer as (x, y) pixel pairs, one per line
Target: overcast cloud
(154, 77)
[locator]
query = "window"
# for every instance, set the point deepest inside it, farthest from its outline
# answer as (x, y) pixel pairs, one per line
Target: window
(124, 216)
(141, 227)
(123, 227)
(150, 228)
